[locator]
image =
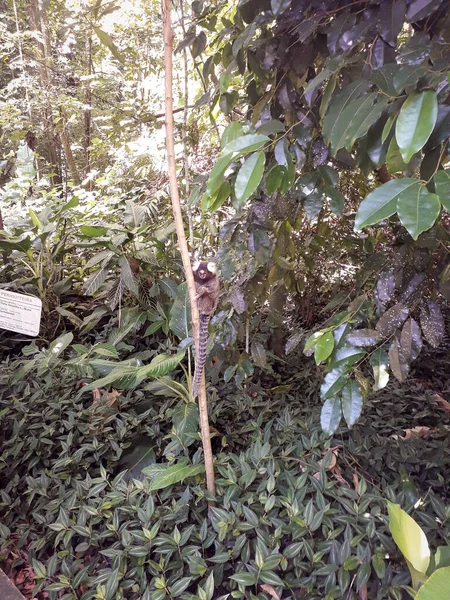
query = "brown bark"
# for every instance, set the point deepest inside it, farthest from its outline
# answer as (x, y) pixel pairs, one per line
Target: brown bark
(65, 138)
(88, 112)
(37, 19)
(383, 174)
(182, 243)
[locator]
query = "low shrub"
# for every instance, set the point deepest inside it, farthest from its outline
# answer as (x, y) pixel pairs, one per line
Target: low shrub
(297, 514)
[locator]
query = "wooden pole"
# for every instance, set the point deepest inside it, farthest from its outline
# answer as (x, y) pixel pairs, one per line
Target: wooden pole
(182, 243)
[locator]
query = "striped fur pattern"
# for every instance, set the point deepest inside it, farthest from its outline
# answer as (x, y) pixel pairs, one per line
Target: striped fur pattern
(207, 287)
(201, 353)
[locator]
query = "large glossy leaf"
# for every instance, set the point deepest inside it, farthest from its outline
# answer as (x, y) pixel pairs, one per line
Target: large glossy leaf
(386, 286)
(437, 586)
(432, 322)
(355, 120)
(411, 340)
(245, 144)
(398, 362)
(416, 122)
(330, 416)
(345, 356)
(392, 319)
(185, 419)
(343, 98)
(418, 210)
(382, 202)
(324, 347)
(217, 172)
(352, 402)
(160, 365)
(230, 133)
(442, 184)
(334, 382)
(380, 362)
(364, 337)
(249, 177)
(331, 67)
(409, 537)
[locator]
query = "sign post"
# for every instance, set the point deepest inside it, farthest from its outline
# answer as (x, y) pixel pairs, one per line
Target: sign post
(20, 313)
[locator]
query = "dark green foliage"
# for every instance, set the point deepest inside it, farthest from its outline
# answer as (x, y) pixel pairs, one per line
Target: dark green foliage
(295, 510)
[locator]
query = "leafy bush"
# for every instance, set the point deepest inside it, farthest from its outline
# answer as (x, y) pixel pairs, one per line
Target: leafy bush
(296, 512)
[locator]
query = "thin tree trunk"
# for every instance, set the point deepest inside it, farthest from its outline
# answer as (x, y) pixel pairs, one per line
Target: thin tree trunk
(182, 243)
(65, 138)
(88, 112)
(38, 23)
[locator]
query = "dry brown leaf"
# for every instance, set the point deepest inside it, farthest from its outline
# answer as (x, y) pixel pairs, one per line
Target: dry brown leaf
(363, 592)
(355, 481)
(269, 589)
(419, 431)
(441, 402)
(337, 474)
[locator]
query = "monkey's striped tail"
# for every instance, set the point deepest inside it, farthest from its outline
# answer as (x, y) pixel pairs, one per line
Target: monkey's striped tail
(200, 359)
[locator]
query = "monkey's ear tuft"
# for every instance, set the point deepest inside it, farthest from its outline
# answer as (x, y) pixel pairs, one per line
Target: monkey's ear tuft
(196, 265)
(212, 268)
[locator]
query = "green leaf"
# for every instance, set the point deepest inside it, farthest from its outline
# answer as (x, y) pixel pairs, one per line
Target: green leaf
(355, 120)
(199, 44)
(259, 355)
(418, 210)
(245, 144)
(60, 344)
(180, 313)
(178, 588)
(352, 402)
(222, 196)
(279, 6)
(93, 230)
(312, 340)
(381, 203)
(343, 98)
(163, 475)
(106, 40)
(249, 177)
(230, 133)
(35, 219)
(442, 184)
(442, 556)
(275, 178)
(270, 127)
(335, 199)
(409, 537)
(334, 382)
(330, 416)
(217, 172)
(324, 347)
(244, 578)
(160, 365)
(436, 587)
(380, 362)
(415, 122)
(333, 65)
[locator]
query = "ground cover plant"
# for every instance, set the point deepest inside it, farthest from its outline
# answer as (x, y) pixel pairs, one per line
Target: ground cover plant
(297, 513)
(307, 152)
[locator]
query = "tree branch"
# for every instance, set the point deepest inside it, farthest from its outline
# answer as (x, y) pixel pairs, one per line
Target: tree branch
(182, 243)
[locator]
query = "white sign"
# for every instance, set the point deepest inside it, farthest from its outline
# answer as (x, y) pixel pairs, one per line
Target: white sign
(20, 313)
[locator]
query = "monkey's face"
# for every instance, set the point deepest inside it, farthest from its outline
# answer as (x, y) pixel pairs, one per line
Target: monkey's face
(204, 271)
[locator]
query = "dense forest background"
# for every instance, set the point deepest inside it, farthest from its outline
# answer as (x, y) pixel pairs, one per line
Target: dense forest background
(312, 158)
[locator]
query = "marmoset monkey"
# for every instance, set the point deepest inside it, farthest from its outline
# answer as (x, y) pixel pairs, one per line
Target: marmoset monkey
(207, 286)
